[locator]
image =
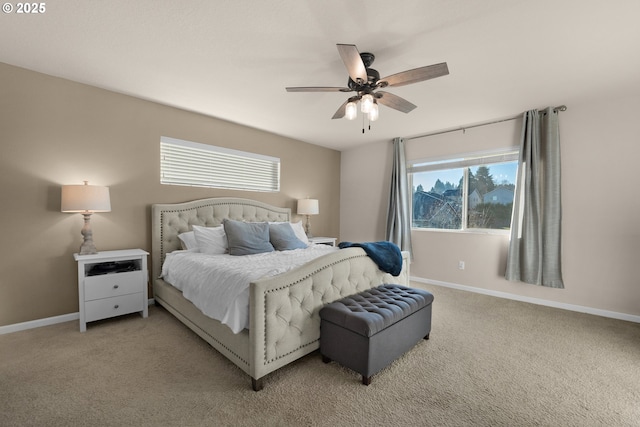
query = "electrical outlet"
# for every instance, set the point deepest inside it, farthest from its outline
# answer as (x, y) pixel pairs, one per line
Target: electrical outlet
(460, 265)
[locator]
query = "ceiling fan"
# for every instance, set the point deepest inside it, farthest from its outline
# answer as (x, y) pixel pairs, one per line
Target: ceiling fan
(365, 82)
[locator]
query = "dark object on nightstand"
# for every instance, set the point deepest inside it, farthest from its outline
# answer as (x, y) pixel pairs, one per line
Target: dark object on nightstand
(113, 267)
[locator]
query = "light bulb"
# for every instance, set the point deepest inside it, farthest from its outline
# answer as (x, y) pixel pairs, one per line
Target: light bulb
(374, 113)
(351, 111)
(367, 102)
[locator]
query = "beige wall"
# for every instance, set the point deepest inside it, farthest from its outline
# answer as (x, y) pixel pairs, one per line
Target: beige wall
(364, 192)
(601, 207)
(56, 132)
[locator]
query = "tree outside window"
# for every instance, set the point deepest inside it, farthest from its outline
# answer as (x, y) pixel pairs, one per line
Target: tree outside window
(478, 196)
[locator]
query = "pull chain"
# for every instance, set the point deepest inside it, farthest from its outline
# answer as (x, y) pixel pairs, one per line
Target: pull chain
(369, 126)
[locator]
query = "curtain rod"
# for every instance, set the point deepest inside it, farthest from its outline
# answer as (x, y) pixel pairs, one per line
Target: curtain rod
(463, 128)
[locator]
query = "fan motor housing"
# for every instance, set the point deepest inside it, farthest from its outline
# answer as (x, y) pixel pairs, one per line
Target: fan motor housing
(372, 79)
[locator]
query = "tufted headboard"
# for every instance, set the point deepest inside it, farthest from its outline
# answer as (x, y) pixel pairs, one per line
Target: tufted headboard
(169, 220)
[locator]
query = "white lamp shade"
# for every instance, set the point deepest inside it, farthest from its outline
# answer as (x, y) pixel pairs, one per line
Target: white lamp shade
(374, 112)
(351, 111)
(366, 103)
(308, 207)
(85, 198)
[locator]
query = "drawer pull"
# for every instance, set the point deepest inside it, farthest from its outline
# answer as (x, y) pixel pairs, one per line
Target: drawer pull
(116, 306)
(116, 286)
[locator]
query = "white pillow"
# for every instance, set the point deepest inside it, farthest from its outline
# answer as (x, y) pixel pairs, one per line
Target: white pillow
(188, 240)
(299, 230)
(211, 240)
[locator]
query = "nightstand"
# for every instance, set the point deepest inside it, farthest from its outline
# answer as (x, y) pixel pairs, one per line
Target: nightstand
(112, 283)
(331, 241)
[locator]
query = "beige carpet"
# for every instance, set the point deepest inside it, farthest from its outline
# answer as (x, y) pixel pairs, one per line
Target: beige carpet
(489, 362)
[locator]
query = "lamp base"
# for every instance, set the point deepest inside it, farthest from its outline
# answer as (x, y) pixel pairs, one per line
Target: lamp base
(307, 228)
(87, 247)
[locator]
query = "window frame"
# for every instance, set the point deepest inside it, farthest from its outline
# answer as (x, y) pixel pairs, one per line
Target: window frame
(193, 164)
(464, 162)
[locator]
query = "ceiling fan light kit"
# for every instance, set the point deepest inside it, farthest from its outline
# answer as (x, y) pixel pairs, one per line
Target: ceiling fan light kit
(374, 112)
(351, 110)
(366, 103)
(366, 81)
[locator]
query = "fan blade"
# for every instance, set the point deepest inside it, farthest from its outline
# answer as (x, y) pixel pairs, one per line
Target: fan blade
(341, 111)
(415, 75)
(394, 101)
(351, 58)
(318, 89)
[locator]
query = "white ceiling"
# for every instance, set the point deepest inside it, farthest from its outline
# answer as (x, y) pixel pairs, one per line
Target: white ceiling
(232, 59)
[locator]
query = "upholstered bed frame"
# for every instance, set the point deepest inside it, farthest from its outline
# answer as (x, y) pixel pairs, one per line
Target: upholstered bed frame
(284, 320)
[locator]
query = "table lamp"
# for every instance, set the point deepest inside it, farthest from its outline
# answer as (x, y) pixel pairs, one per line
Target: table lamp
(86, 199)
(308, 207)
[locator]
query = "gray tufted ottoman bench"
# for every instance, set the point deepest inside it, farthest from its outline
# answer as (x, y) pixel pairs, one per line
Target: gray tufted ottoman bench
(367, 331)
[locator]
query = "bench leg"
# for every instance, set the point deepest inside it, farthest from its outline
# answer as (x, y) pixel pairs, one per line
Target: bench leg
(257, 384)
(325, 359)
(366, 380)
(426, 337)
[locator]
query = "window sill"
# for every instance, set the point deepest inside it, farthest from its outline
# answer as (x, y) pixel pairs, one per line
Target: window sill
(467, 231)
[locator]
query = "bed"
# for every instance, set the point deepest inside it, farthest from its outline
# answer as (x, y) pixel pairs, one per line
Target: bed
(284, 323)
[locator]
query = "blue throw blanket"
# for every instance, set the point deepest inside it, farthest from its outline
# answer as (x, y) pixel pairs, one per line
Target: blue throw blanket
(386, 254)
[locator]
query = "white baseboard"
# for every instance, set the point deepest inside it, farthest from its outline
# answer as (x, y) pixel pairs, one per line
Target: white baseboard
(555, 304)
(17, 327)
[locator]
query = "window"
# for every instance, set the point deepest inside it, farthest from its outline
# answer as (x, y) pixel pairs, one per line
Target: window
(470, 192)
(202, 165)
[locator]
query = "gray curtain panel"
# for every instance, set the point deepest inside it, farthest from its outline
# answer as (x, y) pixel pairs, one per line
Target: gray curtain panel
(535, 249)
(399, 214)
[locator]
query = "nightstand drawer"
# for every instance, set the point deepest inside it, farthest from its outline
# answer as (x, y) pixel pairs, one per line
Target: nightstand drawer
(111, 285)
(115, 306)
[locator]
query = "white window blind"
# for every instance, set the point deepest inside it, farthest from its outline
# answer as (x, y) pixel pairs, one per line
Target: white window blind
(202, 165)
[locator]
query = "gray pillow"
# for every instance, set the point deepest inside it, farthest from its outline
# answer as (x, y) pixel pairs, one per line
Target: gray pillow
(247, 238)
(283, 238)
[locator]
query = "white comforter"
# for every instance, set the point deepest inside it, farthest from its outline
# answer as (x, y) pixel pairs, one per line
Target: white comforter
(219, 284)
